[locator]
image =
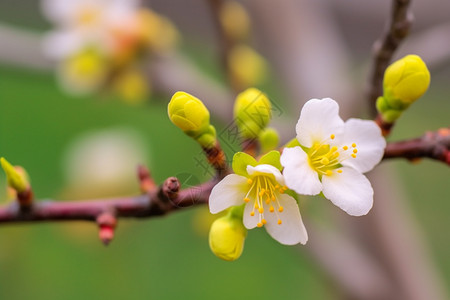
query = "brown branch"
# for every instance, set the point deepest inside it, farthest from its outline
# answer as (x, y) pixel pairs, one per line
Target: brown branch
(154, 203)
(384, 48)
(434, 145)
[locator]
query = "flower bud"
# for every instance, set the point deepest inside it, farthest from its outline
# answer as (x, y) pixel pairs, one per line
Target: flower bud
(234, 20)
(227, 236)
(405, 81)
(16, 176)
(190, 115)
(246, 66)
(252, 112)
(269, 139)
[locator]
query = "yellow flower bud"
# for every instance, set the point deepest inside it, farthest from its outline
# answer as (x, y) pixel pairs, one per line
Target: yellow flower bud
(247, 67)
(405, 81)
(234, 20)
(227, 237)
(16, 176)
(190, 115)
(252, 112)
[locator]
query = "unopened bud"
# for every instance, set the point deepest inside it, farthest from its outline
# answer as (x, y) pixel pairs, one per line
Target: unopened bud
(227, 236)
(190, 115)
(252, 112)
(404, 82)
(247, 67)
(234, 20)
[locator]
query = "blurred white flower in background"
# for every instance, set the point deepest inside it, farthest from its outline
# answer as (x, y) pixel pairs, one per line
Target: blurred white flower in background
(97, 42)
(103, 163)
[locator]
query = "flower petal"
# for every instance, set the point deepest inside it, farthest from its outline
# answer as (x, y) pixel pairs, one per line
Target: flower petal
(298, 174)
(228, 192)
(318, 120)
(349, 190)
(266, 169)
(369, 142)
(291, 231)
(250, 221)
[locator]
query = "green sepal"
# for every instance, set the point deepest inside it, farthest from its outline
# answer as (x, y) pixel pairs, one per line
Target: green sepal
(272, 158)
(292, 143)
(240, 162)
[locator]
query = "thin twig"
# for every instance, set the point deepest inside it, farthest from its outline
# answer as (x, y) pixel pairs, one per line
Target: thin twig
(142, 206)
(434, 145)
(384, 48)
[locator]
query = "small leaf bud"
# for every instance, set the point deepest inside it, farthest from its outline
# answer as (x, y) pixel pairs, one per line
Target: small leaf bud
(16, 176)
(269, 139)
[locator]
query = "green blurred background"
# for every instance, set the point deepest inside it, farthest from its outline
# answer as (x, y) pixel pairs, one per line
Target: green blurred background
(169, 257)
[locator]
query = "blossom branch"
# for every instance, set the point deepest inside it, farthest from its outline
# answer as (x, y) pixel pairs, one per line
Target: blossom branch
(384, 48)
(226, 42)
(434, 145)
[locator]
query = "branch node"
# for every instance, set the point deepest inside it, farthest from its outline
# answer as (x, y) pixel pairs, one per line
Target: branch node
(146, 181)
(169, 189)
(107, 223)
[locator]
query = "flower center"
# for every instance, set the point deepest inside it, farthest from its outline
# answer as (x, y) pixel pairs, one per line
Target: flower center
(324, 159)
(264, 191)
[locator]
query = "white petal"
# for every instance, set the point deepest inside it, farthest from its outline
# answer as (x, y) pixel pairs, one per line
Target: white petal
(59, 11)
(298, 174)
(369, 143)
(349, 190)
(291, 231)
(249, 220)
(228, 192)
(266, 169)
(318, 120)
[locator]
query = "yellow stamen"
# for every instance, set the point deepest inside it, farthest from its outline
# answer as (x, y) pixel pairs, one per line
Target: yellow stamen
(249, 181)
(353, 155)
(329, 173)
(259, 224)
(353, 145)
(252, 213)
(271, 209)
(355, 151)
(339, 171)
(261, 210)
(279, 222)
(332, 136)
(280, 209)
(345, 148)
(247, 200)
(264, 221)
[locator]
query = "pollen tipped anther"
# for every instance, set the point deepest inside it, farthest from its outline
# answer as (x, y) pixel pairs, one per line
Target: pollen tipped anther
(279, 222)
(259, 224)
(280, 209)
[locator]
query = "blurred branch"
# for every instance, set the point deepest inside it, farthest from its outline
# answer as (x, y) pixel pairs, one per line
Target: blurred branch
(226, 43)
(434, 145)
(22, 48)
(384, 48)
